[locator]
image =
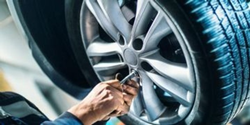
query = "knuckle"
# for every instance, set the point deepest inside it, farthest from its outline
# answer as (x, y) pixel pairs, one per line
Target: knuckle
(130, 82)
(128, 88)
(107, 87)
(134, 93)
(126, 97)
(111, 96)
(107, 92)
(133, 82)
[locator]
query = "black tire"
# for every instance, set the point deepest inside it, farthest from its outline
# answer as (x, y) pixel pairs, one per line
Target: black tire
(223, 29)
(217, 38)
(46, 31)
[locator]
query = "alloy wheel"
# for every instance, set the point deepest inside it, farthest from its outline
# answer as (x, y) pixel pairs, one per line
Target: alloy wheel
(120, 36)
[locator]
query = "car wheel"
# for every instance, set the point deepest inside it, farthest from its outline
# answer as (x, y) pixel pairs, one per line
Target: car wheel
(192, 56)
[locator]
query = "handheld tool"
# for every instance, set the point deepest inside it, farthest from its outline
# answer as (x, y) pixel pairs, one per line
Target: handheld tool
(129, 76)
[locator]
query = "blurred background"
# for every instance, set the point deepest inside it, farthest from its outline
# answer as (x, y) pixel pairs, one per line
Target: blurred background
(20, 73)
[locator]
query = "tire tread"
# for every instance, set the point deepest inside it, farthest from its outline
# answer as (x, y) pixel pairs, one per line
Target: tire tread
(224, 27)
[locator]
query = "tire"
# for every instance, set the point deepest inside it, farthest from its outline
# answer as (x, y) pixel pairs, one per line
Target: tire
(217, 38)
(213, 36)
(47, 37)
(225, 40)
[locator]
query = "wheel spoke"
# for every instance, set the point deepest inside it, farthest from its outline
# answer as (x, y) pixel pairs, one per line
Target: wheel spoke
(102, 19)
(113, 11)
(143, 17)
(108, 68)
(176, 91)
(131, 42)
(136, 107)
(101, 48)
(157, 31)
(175, 72)
(154, 106)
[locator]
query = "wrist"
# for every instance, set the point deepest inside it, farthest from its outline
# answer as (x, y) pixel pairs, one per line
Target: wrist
(83, 113)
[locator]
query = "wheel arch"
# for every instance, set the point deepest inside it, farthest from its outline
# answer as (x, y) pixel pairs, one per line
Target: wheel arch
(49, 50)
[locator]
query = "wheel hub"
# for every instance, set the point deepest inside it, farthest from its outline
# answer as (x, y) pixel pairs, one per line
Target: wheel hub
(130, 57)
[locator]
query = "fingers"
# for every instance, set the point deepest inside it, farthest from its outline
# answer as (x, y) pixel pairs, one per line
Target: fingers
(128, 98)
(123, 109)
(132, 83)
(114, 89)
(117, 95)
(115, 114)
(119, 100)
(112, 114)
(114, 83)
(105, 118)
(131, 88)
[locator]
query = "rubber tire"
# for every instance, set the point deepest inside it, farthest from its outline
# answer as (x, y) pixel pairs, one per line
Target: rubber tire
(222, 27)
(218, 35)
(45, 29)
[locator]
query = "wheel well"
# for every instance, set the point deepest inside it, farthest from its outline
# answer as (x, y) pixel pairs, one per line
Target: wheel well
(45, 23)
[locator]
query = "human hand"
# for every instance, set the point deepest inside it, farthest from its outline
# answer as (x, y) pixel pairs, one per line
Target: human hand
(105, 98)
(130, 90)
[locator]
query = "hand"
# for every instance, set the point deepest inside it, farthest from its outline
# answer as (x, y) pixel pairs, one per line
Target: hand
(130, 90)
(105, 98)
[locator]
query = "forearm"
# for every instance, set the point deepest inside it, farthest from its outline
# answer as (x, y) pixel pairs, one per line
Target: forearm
(65, 119)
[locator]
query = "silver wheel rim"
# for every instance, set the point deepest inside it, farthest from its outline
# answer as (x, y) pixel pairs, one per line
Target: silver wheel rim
(116, 39)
